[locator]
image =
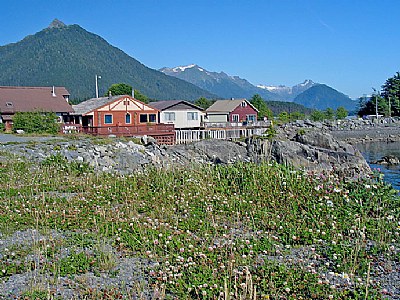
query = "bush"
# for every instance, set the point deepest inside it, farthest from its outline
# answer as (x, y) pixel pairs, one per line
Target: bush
(36, 122)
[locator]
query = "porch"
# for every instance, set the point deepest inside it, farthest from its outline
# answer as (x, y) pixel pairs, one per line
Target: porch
(163, 133)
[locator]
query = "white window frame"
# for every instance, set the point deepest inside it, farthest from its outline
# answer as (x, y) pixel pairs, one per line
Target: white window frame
(192, 115)
(235, 118)
(169, 116)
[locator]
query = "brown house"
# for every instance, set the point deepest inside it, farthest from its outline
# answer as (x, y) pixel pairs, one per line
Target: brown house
(15, 99)
(120, 115)
(232, 111)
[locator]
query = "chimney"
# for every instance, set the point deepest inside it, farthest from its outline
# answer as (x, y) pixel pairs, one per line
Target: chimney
(53, 92)
(133, 93)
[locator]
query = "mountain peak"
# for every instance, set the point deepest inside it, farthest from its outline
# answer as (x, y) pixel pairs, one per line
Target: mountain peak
(183, 68)
(56, 24)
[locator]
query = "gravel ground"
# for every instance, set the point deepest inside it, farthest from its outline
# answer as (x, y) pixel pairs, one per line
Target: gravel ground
(128, 276)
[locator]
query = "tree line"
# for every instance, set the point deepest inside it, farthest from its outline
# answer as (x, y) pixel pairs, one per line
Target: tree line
(385, 102)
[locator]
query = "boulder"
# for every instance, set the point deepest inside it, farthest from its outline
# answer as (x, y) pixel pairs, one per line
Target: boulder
(389, 160)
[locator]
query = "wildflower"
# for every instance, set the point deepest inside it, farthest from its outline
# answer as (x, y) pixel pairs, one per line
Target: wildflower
(287, 290)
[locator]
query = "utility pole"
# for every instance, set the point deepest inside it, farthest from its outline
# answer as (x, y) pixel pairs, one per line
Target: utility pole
(97, 85)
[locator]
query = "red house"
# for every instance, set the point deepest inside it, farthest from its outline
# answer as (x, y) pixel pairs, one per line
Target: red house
(122, 116)
(232, 111)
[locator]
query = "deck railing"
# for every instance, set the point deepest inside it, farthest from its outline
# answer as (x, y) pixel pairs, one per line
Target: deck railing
(163, 133)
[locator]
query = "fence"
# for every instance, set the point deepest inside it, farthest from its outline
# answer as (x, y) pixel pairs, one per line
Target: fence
(188, 136)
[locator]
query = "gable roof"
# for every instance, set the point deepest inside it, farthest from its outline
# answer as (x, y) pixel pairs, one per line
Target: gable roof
(92, 104)
(227, 106)
(163, 105)
(27, 99)
(95, 103)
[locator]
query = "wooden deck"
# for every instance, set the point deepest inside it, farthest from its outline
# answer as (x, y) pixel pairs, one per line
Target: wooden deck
(163, 133)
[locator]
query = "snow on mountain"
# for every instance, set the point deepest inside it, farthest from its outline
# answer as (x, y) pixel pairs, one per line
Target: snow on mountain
(183, 68)
(229, 86)
(288, 93)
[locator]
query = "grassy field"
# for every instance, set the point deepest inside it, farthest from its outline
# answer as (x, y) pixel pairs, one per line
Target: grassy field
(242, 231)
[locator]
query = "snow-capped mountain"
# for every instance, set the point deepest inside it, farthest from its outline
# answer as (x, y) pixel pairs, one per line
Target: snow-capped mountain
(289, 93)
(308, 93)
(220, 83)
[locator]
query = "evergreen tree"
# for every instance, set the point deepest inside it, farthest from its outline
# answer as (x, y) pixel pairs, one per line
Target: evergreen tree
(263, 110)
(204, 103)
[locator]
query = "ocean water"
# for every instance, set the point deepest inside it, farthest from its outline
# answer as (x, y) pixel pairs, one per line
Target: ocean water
(375, 151)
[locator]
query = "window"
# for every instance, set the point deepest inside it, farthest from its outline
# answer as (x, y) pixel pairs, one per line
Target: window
(243, 104)
(108, 119)
(251, 118)
(143, 118)
(235, 118)
(152, 118)
(192, 116)
(169, 116)
(128, 118)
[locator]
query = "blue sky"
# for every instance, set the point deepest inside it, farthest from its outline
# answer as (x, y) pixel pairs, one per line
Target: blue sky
(351, 45)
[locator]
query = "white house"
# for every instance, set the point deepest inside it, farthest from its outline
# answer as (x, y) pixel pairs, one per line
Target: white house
(181, 113)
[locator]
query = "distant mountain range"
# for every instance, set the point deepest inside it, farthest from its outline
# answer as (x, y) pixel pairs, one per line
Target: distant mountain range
(320, 96)
(289, 93)
(70, 56)
(220, 84)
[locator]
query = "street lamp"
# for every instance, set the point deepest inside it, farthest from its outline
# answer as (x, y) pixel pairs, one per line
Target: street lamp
(97, 77)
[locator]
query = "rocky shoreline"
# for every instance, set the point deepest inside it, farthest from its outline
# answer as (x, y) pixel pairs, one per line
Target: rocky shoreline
(302, 147)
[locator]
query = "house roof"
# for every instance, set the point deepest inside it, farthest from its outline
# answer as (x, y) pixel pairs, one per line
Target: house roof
(93, 103)
(26, 99)
(226, 106)
(167, 104)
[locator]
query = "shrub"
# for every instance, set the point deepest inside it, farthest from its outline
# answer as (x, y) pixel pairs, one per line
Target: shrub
(36, 122)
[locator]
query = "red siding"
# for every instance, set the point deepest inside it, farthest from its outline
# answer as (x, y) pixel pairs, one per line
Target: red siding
(242, 112)
(118, 117)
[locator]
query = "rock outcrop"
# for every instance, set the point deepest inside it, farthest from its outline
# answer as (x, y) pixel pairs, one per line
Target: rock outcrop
(310, 149)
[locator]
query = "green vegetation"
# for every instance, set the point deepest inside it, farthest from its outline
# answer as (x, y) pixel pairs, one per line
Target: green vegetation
(216, 232)
(119, 89)
(263, 110)
(71, 56)
(279, 106)
(388, 100)
(204, 103)
(36, 122)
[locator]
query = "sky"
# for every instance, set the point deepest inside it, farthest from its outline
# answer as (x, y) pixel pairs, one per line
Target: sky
(350, 45)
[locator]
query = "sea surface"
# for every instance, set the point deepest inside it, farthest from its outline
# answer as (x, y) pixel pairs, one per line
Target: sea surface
(375, 151)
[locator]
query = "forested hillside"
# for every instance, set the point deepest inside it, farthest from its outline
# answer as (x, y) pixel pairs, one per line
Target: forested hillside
(71, 56)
